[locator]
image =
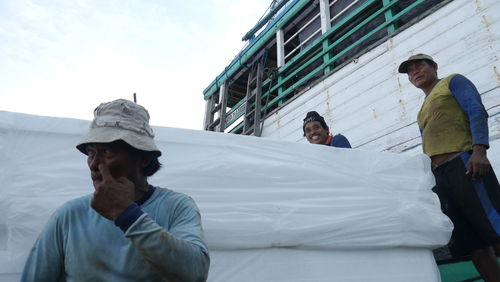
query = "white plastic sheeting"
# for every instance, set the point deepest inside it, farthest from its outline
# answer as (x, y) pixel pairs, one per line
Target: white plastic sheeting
(271, 210)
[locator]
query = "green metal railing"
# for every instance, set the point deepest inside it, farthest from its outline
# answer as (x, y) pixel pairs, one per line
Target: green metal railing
(322, 48)
(253, 48)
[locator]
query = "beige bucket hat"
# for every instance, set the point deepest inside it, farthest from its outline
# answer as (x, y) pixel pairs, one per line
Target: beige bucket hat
(120, 120)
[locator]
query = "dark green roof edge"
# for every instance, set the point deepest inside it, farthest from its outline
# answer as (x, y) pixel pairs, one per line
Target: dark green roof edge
(291, 10)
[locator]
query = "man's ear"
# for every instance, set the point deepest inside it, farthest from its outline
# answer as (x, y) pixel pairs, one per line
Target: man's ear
(145, 162)
(435, 66)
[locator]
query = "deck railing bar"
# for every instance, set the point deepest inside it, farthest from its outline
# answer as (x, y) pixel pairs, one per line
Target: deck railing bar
(308, 50)
(336, 16)
(320, 40)
(321, 53)
(343, 51)
(302, 43)
(301, 29)
(331, 46)
(343, 11)
(290, 10)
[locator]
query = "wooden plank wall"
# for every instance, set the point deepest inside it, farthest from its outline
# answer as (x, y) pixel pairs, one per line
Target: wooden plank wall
(376, 107)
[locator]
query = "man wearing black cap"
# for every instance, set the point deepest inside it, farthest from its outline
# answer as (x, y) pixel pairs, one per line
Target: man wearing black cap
(127, 230)
(316, 131)
(454, 127)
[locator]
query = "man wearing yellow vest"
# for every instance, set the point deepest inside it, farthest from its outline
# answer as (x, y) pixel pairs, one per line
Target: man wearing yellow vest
(454, 128)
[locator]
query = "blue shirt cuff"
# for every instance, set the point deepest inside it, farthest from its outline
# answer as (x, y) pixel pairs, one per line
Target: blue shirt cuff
(128, 216)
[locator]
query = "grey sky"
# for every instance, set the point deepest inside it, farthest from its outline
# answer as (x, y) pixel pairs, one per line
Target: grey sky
(62, 58)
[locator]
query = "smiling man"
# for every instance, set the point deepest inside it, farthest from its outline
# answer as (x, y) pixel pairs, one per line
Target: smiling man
(127, 230)
(454, 128)
(317, 132)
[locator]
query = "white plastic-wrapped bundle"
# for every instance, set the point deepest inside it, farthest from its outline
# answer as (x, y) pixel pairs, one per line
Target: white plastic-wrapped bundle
(271, 211)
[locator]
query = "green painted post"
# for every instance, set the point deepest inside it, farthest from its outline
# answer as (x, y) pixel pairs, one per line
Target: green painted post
(280, 90)
(389, 13)
(327, 56)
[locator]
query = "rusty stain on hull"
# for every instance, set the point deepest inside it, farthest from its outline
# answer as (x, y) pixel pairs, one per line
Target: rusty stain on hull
(399, 83)
(478, 5)
(328, 107)
(403, 110)
(495, 70)
(486, 22)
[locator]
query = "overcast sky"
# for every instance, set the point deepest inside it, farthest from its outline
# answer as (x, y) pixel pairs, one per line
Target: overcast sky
(64, 57)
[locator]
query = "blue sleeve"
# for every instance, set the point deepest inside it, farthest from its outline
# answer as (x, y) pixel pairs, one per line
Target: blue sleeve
(469, 100)
(340, 141)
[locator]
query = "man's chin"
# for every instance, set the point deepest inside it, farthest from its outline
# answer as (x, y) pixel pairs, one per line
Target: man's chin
(315, 141)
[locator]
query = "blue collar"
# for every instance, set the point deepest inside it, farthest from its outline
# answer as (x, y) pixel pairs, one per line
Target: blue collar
(146, 196)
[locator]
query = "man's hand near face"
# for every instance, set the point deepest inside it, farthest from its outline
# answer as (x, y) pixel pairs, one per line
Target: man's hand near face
(112, 196)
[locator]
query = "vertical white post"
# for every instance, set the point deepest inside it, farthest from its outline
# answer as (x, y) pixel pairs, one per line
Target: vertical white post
(280, 46)
(324, 11)
(209, 117)
(223, 105)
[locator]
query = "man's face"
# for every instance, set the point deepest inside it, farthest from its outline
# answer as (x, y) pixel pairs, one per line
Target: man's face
(315, 133)
(422, 74)
(116, 156)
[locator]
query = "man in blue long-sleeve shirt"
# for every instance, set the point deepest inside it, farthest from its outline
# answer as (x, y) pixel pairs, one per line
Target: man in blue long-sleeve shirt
(454, 128)
(127, 230)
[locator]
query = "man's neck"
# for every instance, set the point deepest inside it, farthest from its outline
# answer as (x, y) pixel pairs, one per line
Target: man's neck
(141, 189)
(328, 140)
(428, 89)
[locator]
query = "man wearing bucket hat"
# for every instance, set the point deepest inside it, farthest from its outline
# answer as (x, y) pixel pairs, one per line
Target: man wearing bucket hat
(454, 127)
(317, 132)
(127, 230)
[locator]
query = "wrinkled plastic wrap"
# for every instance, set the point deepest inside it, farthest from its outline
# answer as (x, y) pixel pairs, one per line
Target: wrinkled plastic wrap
(266, 205)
